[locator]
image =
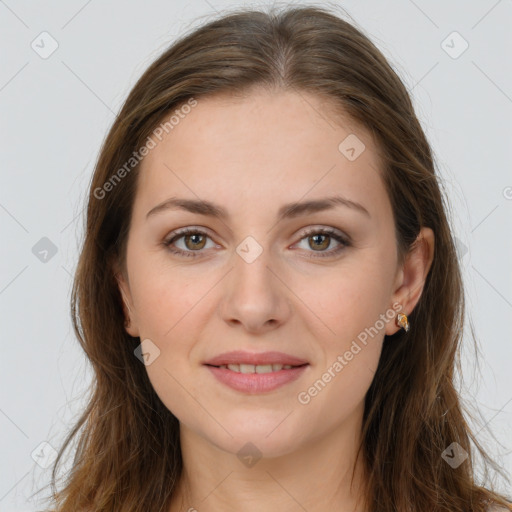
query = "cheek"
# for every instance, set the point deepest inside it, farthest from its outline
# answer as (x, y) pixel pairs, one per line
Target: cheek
(172, 310)
(336, 394)
(348, 301)
(171, 314)
(352, 303)
(166, 300)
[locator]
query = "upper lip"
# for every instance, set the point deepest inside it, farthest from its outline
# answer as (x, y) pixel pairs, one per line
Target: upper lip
(242, 357)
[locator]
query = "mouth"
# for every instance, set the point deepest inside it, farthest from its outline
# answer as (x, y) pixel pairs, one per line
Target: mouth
(255, 362)
(255, 373)
(259, 368)
(256, 379)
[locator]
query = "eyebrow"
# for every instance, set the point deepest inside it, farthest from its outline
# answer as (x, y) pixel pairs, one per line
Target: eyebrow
(287, 211)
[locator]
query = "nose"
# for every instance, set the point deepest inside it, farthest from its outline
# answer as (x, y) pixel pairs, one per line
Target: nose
(255, 296)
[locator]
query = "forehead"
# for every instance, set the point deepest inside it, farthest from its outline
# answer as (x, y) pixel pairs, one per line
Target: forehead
(260, 148)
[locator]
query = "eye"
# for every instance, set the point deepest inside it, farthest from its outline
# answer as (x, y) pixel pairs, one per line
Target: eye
(194, 240)
(320, 238)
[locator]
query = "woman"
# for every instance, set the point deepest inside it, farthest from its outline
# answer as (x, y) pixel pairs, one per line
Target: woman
(268, 289)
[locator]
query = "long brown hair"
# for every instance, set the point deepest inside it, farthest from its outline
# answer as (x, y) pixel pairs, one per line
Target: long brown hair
(127, 453)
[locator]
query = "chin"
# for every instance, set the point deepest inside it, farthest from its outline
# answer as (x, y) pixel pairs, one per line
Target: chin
(265, 434)
(258, 447)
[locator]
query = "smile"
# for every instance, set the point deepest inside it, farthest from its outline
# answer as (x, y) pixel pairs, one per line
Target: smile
(259, 368)
(256, 379)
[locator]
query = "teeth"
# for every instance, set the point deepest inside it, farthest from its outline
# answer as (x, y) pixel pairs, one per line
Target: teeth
(260, 368)
(247, 368)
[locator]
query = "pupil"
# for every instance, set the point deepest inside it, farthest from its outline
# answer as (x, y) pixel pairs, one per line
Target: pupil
(318, 242)
(194, 240)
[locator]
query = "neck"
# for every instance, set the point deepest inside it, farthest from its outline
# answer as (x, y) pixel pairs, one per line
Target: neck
(316, 477)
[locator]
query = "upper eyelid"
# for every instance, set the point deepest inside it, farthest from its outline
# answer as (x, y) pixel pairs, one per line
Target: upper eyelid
(305, 232)
(203, 230)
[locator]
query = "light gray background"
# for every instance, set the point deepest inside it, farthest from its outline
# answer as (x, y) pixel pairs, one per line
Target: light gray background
(55, 113)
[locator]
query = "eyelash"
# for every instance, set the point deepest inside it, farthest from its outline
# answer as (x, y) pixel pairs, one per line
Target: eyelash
(318, 231)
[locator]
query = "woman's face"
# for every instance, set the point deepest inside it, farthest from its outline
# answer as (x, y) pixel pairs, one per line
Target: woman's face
(251, 280)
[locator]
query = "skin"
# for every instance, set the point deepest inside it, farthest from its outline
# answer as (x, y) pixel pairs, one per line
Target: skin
(251, 155)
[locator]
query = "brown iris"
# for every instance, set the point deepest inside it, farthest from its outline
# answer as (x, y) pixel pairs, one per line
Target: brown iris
(195, 243)
(325, 243)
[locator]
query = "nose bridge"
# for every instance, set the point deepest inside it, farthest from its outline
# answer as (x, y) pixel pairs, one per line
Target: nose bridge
(254, 296)
(251, 267)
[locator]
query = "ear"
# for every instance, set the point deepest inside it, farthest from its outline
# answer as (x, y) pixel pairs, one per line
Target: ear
(130, 323)
(412, 275)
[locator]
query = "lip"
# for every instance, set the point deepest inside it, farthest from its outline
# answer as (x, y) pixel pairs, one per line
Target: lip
(256, 383)
(243, 357)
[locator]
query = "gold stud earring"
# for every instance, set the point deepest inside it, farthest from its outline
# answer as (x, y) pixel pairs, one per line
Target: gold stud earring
(401, 321)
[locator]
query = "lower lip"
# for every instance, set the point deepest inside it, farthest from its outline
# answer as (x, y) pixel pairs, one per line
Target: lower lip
(254, 383)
